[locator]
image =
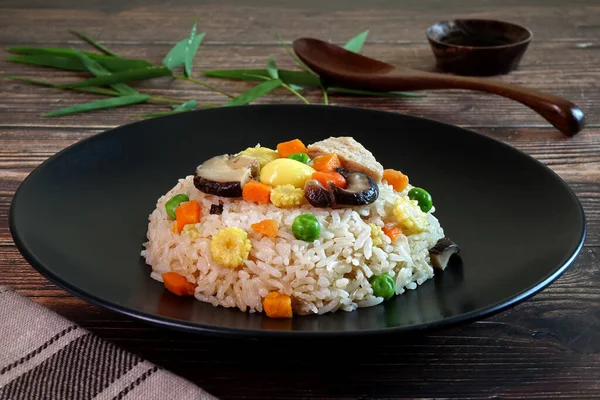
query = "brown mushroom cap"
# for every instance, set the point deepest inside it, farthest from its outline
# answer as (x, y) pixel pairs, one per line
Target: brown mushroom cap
(317, 194)
(361, 189)
(226, 175)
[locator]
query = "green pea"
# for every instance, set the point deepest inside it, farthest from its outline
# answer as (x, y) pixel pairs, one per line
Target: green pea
(383, 286)
(302, 157)
(174, 202)
(306, 227)
(421, 196)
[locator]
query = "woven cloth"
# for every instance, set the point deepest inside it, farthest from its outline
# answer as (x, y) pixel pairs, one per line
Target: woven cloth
(45, 356)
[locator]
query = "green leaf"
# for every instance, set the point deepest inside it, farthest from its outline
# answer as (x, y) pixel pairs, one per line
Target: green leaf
(91, 41)
(61, 51)
(95, 90)
(99, 70)
(70, 62)
(191, 53)
(187, 106)
(160, 114)
(272, 68)
(373, 94)
(254, 93)
(296, 87)
(287, 76)
(184, 52)
(120, 77)
(101, 104)
(356, 43)
(176, 56)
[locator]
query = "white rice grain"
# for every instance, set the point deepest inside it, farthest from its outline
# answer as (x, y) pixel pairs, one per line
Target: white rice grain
(324, 276)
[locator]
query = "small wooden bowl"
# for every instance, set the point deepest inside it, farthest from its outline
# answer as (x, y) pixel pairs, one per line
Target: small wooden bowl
(478, 46)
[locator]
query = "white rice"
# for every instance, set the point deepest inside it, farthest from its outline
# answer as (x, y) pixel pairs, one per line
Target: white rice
(332, 273)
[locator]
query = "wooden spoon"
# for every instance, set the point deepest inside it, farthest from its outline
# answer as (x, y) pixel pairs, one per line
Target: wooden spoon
(338, 66)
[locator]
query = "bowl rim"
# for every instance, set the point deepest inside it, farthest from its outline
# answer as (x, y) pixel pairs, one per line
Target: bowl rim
(513, 44)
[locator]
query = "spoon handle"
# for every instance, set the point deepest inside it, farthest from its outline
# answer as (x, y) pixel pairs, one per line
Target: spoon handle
(561, 113)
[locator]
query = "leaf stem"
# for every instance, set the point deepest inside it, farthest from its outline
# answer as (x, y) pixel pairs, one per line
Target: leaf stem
(291, 89)
(325, 95)
(300, 63)
(296, 93)
(166, 100)
(203, 84)
(91, 41)
(95, 90)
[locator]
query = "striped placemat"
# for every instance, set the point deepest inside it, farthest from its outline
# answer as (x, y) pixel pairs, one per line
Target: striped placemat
(44, 356)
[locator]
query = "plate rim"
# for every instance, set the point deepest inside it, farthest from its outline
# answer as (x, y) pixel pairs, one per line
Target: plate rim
(198, 328)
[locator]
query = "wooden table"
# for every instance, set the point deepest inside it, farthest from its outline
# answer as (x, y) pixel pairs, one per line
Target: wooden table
(546, 347)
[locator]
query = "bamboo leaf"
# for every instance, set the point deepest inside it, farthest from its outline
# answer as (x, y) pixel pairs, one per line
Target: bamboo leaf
(160, 114)
(63, 52)
(101, 104)
(296, 87)
(187, 106)
(272, 68)
(70, 62)
(120, 77)
(176, 56)
(95, 90)
(99, 70)
(184, 52)
(287, 76)
(191, 53)
(65, 63)
(91, 41)
(254, 93)
(372, 93)
(356, 43)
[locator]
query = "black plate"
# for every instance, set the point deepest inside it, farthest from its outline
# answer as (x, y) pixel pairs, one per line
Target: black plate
(81, 217)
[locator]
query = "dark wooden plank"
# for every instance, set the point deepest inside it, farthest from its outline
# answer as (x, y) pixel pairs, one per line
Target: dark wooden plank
(546, 347)
(559, 68)
(230, 21)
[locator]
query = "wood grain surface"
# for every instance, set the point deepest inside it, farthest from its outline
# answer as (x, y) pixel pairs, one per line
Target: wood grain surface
(546, 347)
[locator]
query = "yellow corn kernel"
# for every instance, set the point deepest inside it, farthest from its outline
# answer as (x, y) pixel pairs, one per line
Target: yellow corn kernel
(286, 196)
(264, 155)
(409, 216)
(230, 247)
(191, 231)
(376, 235)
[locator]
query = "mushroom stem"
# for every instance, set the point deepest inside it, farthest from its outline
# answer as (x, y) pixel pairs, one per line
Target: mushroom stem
(442, 251)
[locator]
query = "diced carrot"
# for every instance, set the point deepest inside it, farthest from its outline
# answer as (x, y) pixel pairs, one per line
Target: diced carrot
(326, 162)
(323, 177)
(393, 231)
(267, 227)
(177, 284)
(257, 192)
(187, 213)
(397, 179)
(278, 305)
(286, 149)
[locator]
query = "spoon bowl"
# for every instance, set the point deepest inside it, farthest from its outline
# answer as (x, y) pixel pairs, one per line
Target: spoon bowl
(336, 65)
